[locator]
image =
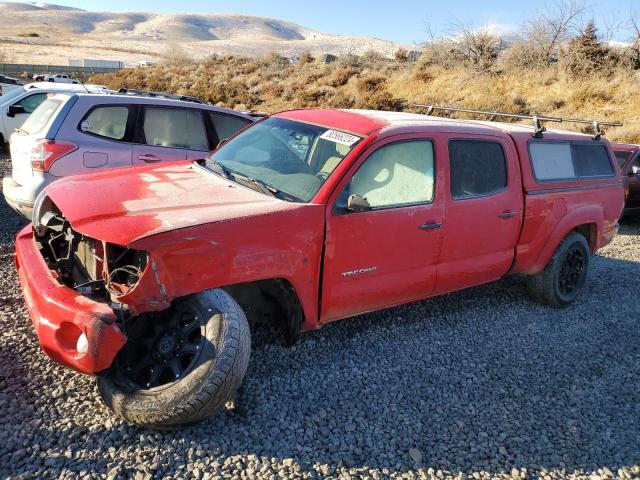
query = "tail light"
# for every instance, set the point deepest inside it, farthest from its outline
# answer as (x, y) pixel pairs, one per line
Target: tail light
(48, 151)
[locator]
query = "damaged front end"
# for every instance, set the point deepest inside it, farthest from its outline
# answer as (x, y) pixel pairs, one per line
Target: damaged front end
(80, 291)
(98, 270)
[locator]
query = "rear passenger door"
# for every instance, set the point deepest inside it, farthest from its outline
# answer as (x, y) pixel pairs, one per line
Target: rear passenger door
(483, 211)
(169, 133)
(106, 140)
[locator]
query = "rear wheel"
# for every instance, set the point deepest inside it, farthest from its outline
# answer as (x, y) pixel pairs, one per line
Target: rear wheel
(562, 279)
(179, 366)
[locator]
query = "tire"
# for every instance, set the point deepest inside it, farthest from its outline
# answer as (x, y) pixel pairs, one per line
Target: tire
(207, 383)
(560, 283)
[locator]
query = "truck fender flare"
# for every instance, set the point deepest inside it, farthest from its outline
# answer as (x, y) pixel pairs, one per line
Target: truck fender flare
(586, 215)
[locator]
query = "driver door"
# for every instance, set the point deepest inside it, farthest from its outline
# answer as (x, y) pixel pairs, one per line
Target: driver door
(28, 104)
(386, 255)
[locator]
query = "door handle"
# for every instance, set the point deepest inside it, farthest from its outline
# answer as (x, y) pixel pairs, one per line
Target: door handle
(149, 158)
(430, 226)
(507, 214)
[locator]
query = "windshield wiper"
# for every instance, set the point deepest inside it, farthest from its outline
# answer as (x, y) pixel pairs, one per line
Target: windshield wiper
(253, 182)
(216, 167)
(21, 131)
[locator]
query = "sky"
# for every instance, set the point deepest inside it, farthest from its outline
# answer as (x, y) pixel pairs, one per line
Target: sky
(403, 21)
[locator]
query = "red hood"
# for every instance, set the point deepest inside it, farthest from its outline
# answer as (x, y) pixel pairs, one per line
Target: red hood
(126, 204)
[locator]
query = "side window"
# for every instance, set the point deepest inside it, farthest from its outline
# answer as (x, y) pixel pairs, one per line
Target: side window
(196, 132)
(621, 157)
(476, 167)
(396, 174)
(552, 161)
(592, 161)
(32, 102)
(226, 125)
(164, 127)
(108, 122)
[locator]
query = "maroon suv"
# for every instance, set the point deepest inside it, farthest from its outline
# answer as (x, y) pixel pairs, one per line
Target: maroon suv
(628, 157)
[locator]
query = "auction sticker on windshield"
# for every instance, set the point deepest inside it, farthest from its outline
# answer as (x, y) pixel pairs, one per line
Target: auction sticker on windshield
(340, 137)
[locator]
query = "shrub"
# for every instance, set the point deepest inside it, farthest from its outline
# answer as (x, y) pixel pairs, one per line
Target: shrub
(306, 57)
(370, 83)
(401, 55)
(341, 76)
(379, 100)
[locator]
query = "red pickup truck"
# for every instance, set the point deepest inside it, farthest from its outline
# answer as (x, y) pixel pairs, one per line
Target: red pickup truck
(144, 277)
(628, 157)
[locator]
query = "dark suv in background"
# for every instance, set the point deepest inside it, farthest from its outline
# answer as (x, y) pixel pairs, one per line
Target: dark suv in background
(628, 157)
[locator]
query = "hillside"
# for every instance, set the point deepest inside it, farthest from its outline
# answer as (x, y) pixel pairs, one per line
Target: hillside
(270, 85)
(44, 33)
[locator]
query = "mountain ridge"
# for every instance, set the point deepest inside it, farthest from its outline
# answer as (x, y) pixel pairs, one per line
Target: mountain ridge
(29, 27)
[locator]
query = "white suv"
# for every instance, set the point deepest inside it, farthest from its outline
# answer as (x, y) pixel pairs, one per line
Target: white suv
(73, 133)
(17, 105)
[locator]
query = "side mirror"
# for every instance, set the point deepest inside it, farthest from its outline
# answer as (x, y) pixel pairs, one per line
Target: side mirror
(356, 203)
(15, 110)
(635, 171)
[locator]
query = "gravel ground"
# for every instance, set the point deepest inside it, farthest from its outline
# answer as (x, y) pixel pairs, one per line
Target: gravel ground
(482, 383)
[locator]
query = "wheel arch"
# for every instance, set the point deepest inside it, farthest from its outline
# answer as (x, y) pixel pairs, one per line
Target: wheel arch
(272, 300)
(587, 220)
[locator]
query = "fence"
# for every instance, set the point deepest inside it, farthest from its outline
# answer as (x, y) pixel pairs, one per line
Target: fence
(19, 69)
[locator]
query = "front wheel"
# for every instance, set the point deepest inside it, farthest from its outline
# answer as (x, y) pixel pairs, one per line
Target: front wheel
(179, 366)
(562, 279)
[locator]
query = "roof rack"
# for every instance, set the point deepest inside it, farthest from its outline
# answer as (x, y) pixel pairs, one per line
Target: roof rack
(169, 96)
(539, 129)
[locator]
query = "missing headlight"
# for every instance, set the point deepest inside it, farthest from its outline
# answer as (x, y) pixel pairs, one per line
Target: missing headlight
(124, 269)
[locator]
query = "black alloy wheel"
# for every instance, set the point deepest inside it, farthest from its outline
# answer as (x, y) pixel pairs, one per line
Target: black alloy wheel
(162, 348)
(572, 271)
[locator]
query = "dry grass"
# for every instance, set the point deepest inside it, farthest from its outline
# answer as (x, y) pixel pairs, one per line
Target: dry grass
(269, 84)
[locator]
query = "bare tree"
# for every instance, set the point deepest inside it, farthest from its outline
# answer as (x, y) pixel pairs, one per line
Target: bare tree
(175, 55)
(474, 45)
(549, 29)
(634, 47)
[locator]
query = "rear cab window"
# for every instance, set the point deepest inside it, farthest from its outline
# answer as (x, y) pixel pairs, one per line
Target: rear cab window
(558, 161)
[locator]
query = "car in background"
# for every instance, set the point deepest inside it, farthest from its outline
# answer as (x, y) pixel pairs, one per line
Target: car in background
(61, 78)
(628, 157)
(19, 103)
(8, 84)
(72, 133)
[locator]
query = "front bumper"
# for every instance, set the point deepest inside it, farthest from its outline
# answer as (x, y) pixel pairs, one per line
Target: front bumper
(60, 315)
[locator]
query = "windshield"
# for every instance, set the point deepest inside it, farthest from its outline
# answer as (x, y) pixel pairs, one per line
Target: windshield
(41, 116)
(7, 97)
(292, 158)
